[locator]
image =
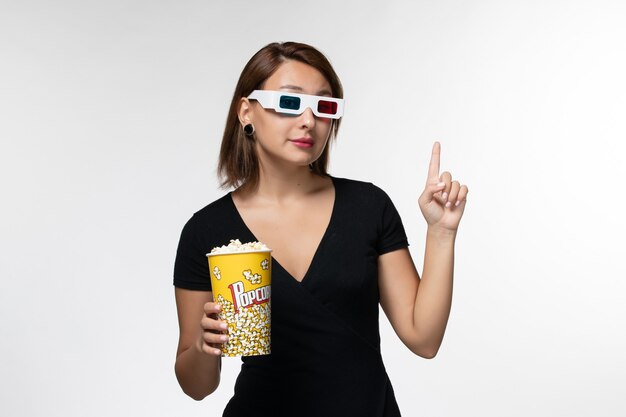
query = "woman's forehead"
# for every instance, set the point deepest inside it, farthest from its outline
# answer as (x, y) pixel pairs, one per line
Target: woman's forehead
(299, 77)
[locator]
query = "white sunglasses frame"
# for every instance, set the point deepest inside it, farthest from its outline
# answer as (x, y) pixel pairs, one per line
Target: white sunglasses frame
(270, 99)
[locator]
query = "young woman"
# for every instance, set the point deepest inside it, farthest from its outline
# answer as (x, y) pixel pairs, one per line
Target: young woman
(339, 249)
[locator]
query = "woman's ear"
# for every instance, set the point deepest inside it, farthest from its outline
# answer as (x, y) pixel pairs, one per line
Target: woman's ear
(245, 111)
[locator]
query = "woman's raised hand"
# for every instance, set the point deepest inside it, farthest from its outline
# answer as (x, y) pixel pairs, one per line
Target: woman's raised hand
(213, 330)
(443, 201)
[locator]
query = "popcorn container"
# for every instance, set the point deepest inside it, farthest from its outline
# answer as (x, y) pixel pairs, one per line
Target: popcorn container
(241, 283)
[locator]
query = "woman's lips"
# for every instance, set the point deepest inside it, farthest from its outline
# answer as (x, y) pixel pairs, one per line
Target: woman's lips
(303, 142)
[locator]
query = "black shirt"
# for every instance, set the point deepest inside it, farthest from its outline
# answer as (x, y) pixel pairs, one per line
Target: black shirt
(325, 338)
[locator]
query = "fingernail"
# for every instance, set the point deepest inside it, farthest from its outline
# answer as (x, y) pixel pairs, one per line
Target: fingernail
(223, 326)
(217, 351)
(444, 196)
(441, 184)
(224, 338)
(448, 204)
(457, 203)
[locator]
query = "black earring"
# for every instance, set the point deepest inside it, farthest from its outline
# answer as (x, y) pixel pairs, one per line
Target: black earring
(248, 129)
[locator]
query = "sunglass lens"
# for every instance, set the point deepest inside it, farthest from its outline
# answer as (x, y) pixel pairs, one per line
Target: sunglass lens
(289, 102)
(327, 107)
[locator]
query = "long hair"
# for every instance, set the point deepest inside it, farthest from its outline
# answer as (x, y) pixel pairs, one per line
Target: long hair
(238, 161)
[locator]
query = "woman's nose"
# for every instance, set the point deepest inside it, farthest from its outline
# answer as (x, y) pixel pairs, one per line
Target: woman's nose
(308, 118)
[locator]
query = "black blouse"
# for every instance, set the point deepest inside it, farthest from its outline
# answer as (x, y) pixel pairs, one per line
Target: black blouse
(325, 340)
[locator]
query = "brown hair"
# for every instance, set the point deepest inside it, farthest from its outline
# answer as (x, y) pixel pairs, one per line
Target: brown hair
(238, 162)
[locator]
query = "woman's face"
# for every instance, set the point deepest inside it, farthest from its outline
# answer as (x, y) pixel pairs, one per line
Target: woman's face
(289, 139)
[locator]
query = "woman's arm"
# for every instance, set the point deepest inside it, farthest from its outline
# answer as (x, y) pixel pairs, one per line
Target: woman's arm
(197, 369)
(418, 310)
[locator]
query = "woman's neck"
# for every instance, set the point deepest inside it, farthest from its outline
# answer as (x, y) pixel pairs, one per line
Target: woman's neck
(280, 185)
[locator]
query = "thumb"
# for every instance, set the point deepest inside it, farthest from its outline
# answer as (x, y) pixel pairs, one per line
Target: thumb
(429, 192)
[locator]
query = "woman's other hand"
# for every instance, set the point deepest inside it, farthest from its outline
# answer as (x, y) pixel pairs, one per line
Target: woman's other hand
(443, 201)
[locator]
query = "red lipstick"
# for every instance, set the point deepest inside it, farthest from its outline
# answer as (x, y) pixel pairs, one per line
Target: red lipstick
(303, 142)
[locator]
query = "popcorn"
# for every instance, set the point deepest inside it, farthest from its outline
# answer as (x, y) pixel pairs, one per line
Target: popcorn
(253, 278)
(241, 283)
(248, 329)
(236, 246)
(217, 273)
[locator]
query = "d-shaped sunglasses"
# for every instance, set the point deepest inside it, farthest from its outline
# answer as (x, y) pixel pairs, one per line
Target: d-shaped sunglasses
(292, 103)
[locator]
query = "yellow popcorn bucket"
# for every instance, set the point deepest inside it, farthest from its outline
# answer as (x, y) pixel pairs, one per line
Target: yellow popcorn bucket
(242, 283)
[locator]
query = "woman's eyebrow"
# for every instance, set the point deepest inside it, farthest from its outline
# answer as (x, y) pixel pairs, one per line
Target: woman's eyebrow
(291, 87)
(296, 88)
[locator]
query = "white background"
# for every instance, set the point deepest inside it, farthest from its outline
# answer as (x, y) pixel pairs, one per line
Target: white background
(111, 115)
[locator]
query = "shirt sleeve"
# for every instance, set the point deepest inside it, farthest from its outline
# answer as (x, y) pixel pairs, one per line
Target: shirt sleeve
(391, 234)
(191, 267)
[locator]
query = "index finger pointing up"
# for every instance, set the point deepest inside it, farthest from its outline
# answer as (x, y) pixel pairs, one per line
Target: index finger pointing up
(433, 168)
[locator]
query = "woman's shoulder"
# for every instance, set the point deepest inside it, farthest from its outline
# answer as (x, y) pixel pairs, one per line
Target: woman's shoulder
(359, 188)
(218, 204)
(214, 210)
